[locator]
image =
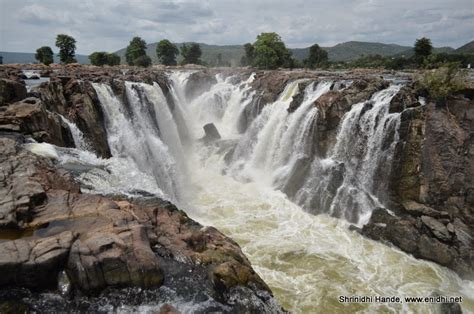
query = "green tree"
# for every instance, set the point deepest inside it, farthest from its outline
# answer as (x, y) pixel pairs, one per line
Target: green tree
(249, 56)
(67, 48)
(270, 52)
(113, 59)
(135, 49)
(317, 56)
(423, 49)
(44, 55)
(101, 58)
(191, 54)
(166, 52)
(142, 61)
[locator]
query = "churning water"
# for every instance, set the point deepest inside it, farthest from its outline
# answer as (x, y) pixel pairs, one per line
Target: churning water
(237, 185)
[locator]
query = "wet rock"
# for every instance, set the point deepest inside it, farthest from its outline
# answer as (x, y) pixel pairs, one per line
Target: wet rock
(211, 133)
(432, 249)
(115, 257)
(405, 98)
(34, 264)
(439, 229)
(417, 209)
(30, 117)
(11, 91)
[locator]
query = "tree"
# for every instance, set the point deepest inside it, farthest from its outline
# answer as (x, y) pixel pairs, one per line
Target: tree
(191, 54)
(142, 61)
(113, 59)
(317, 56)
(44, 55)
(101, 58)
(67, 48)
(166, 52)
(135, 49)
(423, 49)
(270, 52)
(249, 56)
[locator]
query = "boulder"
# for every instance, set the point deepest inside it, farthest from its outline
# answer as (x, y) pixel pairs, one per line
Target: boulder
(211, 133)
(11, 91)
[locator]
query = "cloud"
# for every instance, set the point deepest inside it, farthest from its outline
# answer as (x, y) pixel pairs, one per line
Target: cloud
(109, 25)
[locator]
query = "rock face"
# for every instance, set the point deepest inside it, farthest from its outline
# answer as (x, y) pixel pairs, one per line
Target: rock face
(11, 91)
(431, 184)
(30, 117)
(48, 226)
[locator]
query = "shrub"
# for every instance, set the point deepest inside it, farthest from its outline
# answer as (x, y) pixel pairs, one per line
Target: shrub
(439, 83)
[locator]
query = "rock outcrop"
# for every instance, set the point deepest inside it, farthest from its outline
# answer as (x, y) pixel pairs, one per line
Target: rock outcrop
(431, 184)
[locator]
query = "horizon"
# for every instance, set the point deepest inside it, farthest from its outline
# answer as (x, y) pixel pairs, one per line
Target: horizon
(26, 25)
(223, 45)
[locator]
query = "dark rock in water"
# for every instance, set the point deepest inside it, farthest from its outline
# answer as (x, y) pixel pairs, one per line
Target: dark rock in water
(34, 77)
(405, 98)
(211, 133)
(11, 91)
(298, 98)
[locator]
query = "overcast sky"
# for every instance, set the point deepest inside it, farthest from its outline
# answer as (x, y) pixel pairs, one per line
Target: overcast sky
(109, 25)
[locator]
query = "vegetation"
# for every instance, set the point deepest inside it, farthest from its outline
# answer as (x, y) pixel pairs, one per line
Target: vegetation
(67, 48)
(439, 83)
(166, 52)
(317, 57)
(142, 61)
(249, 56)
(423, 48)
(135, 53)
(101, 58)
(191, 54)
(270, 52)
(44, 55)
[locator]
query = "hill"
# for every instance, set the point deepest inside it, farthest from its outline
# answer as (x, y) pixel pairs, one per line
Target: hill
(26, 57)
(467, 48)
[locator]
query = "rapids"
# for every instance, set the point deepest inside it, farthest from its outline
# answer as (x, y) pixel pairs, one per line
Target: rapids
(238, 185)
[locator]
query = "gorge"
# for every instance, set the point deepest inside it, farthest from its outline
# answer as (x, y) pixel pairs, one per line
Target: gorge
(303, 170)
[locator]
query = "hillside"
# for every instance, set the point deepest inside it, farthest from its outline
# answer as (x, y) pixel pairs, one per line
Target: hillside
(467, 48)
(26, 57)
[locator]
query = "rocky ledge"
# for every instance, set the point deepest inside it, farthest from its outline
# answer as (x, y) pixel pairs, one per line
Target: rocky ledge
(63, 250)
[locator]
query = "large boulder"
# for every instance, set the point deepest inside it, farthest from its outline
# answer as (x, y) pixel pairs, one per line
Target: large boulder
(30, 117)
(11, 91)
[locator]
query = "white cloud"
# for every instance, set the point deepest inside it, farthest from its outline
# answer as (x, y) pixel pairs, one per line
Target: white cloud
(109, 25)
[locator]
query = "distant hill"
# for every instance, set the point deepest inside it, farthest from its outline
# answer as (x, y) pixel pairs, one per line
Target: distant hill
(347, 51)
(26, 57)
(230, 53)
(467, 48)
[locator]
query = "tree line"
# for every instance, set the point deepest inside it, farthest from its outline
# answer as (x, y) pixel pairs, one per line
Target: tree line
(267, 52)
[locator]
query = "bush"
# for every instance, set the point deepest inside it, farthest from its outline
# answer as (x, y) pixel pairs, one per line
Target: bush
(439, 83)
(142, 61)
(101, 58)
(44, 55)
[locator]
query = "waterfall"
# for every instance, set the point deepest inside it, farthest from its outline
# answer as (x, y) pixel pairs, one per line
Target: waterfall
(77, 134)
(345, 184)
(134, 132)
(253, 183)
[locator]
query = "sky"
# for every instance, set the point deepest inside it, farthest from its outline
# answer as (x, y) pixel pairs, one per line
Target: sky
(100, 25)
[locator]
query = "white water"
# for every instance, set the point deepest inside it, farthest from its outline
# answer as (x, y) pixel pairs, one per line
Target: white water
(308, 260)
(77, 135)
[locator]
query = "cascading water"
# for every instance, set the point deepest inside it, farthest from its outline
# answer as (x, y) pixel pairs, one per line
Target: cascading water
(134, 133)
(344, 183)
(308, 260)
